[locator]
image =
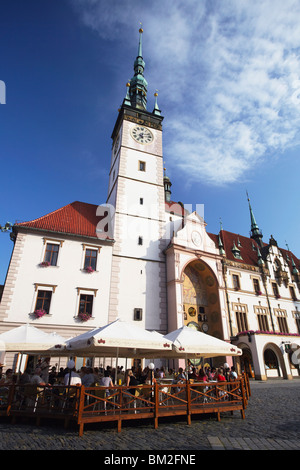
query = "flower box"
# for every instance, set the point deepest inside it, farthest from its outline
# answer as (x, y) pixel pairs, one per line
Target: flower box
(89, 269)
(39, 313)
(44, 264)
(84, 316)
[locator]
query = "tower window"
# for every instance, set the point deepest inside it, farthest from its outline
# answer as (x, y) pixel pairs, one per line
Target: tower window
(138, 314)
(140, 240)
(142, 166)
(141, 201)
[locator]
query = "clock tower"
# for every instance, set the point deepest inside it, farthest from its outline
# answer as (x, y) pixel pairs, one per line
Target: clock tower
(136, 194)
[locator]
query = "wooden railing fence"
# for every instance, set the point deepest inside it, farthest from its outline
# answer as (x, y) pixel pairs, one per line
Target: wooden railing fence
(99, 404)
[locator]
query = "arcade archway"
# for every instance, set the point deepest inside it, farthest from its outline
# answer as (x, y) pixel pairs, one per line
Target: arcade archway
(201, 302)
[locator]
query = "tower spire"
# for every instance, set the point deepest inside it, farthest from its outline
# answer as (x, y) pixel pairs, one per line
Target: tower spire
(167, 186)
(138, 83)
(255, 232)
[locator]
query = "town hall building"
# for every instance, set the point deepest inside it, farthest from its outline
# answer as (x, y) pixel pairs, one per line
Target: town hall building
(144, 258)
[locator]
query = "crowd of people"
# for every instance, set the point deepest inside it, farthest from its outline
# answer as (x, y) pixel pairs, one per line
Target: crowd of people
(45, 374)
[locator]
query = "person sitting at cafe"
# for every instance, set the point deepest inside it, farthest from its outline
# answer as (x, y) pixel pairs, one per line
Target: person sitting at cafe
(219, 375)
(7, 379)
(202, 377)
(36, 379)
(193, 374)
(106, 381)
(88, 379)
(71, 377)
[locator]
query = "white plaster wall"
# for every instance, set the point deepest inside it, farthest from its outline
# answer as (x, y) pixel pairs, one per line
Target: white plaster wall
(139, 288)
(67, 276)
(130, 230)
(129, 202)
(247, 296)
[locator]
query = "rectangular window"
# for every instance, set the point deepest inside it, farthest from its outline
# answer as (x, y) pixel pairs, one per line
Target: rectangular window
(142, 166)
(51, 254)
(282, 320)
(202, 315)
(263, 322)
(282, 324)
(90, 259)
(236, 281)
(140, 240)
(86, 304)
(241, 317)
(43, 300)
(292, 292)
(138, 314)
(275, 290)
(297, 319)
(256, 286)
(141, 201)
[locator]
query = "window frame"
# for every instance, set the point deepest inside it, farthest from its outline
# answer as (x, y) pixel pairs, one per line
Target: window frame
(43, 299)
(86, 302)
(236, 285)
(262, 316)
(282, 323)
(138, 314)
(256, 285)
(142, 166)
(241, 317)
(89, 258)
(52, 252)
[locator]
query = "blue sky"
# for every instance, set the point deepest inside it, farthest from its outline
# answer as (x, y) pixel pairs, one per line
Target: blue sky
(228, 78)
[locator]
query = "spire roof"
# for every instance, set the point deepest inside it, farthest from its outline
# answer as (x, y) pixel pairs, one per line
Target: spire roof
(256, 233)
(138, 83)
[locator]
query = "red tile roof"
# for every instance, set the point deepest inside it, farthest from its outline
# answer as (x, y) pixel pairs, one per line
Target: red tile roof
(77, 218)
(248, 249)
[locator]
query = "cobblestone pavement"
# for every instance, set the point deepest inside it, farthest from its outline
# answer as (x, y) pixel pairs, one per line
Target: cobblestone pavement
(272, 423)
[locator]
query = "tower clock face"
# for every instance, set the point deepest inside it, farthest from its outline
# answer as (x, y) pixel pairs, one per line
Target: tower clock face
(142, 135)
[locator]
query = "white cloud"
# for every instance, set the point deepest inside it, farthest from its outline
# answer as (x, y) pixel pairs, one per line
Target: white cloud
(228, 75)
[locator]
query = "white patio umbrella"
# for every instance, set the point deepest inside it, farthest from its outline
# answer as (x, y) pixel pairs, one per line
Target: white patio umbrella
(27, 338)
(119, 339)
(191, 343)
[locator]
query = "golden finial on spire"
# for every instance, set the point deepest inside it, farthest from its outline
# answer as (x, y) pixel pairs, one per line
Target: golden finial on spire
(141, 29)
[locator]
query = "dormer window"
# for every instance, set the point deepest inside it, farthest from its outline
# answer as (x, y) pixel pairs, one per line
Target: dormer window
(236, 252)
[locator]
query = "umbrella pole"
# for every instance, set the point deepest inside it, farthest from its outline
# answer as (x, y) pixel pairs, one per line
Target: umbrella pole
(116, 366)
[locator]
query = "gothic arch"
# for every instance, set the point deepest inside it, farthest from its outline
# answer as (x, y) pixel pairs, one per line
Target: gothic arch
(200, 298)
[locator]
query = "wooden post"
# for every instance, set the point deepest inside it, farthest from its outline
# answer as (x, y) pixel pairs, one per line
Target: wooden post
(243, 398)
(156, 405)
(80, 408)
(10, 398)
(119, 424)
(188, 401)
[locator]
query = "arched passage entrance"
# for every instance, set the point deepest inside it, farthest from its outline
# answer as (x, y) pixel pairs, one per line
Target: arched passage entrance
(273, 360)
(200, 296)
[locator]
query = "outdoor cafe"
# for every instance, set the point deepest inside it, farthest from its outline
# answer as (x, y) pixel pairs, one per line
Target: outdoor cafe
(153, 399)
